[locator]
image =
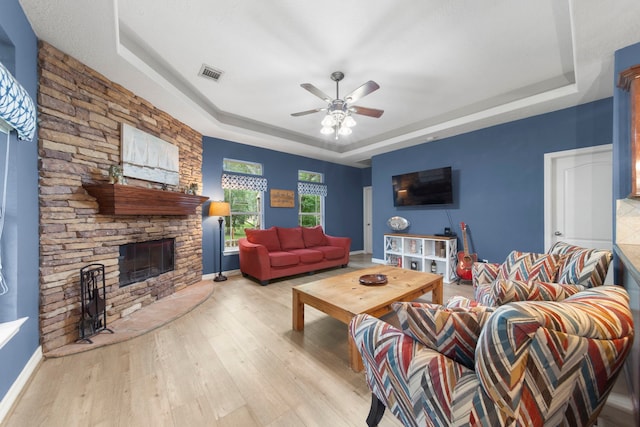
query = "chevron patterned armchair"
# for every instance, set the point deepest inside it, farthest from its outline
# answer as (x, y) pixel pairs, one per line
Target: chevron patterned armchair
(532, 363)
(524, 276)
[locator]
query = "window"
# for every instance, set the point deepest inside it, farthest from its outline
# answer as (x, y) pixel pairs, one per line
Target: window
(240, 166)
(311, 194)
(244, 193)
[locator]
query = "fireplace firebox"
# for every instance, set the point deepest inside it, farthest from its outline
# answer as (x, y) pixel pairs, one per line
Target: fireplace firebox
(143, 260)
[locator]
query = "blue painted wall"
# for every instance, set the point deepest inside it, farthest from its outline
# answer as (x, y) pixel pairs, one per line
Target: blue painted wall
(498, 175)
(343, 204)
(366, 177)
(18, 50)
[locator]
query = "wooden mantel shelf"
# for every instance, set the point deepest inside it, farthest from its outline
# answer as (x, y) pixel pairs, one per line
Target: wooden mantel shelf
(116, 199)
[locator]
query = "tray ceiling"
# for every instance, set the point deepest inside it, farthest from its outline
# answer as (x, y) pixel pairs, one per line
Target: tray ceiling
(444, 68)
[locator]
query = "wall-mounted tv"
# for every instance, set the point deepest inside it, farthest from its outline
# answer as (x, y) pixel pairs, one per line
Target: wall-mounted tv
(427, 187)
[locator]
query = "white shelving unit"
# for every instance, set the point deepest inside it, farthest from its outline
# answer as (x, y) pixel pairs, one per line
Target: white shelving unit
(422, 253)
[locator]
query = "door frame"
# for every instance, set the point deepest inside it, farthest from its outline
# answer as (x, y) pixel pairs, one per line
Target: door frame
(367, 215)
(549, 158)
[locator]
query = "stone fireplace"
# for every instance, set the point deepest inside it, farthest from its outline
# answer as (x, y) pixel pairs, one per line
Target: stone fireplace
(80, 116)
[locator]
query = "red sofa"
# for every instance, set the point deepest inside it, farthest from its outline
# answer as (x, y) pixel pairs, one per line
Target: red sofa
(281, 251)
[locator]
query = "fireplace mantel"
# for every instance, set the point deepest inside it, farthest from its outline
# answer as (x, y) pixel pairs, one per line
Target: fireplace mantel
(116, 199)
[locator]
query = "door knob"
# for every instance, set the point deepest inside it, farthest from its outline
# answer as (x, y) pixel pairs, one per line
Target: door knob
(557, 233)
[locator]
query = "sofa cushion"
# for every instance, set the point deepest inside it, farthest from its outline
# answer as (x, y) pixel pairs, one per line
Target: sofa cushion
(290, 238)
(458, 301)
(528, 266)
(313, 236)
(267, 238)
(283, 259)
(453, 332)
(587, 267)
(330, 252)
(308, 256)
(506, 291)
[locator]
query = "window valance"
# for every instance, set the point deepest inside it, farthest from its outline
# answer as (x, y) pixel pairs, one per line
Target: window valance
(311, 188)
(16, 106)
(243, 182)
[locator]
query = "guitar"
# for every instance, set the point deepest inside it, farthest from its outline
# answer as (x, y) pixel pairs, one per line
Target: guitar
(465, 259)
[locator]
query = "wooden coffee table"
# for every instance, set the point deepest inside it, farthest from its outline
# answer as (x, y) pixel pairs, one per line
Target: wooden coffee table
(342, 297)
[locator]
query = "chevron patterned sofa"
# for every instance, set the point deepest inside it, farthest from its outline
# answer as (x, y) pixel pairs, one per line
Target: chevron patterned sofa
(532, 363)
(524, 276)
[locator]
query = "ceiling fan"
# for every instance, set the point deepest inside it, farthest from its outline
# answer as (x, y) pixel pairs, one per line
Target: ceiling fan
(338, 119)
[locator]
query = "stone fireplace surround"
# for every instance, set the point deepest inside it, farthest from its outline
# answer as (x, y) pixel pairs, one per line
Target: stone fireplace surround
(79, 114)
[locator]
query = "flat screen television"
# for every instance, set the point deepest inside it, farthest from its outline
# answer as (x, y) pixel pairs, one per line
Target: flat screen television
(427, 187)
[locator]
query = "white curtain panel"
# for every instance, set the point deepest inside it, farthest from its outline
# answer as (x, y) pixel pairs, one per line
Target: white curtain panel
(16, 106)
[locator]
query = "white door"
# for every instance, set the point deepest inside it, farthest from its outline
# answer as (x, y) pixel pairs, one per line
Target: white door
(578, 197)
(367, 208)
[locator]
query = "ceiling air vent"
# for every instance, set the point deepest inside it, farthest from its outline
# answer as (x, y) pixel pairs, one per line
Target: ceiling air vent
(210, 72)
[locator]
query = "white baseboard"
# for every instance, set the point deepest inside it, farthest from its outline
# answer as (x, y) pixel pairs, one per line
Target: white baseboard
(378, 261)
(620, 402)
(12, 395)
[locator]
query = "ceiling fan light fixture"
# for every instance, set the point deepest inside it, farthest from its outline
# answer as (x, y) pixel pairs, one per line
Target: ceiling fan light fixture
(338, 120)
(338, 115)
(328, 121)
(349, 122)
(344, 131)
(326, 130)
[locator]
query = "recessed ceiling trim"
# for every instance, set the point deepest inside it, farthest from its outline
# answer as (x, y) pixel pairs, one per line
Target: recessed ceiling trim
(498, 71)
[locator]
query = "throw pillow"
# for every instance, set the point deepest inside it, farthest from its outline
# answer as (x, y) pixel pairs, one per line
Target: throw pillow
(452, 332)
(267, 238)
(586, 267)
(528, 266)
(563, 248)
(290, 238)
(313, 236)
(484, 272)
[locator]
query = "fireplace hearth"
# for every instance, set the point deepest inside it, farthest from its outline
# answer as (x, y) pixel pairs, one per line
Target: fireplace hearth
(143, 260)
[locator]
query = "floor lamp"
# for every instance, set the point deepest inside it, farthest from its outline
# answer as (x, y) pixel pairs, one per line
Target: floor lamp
(220, 209)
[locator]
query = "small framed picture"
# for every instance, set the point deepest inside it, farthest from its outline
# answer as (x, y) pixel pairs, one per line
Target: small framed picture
(414, 265)
(281, 198)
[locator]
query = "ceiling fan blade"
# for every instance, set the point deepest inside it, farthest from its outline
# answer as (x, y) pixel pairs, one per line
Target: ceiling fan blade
(304, 113)
(317, 92)
(363, 90)
(371, 112)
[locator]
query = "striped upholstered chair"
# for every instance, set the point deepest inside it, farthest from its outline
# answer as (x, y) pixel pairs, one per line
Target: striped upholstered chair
(532, 363)
(525, 276)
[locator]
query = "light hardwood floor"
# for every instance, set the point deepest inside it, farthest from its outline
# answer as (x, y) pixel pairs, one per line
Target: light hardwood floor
(232, 361)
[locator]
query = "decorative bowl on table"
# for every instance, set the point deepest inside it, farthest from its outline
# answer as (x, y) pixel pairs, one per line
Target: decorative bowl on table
(373, 279)
(397, 223)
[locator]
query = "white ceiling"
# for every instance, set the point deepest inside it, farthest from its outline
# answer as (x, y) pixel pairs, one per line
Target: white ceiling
(444, 67)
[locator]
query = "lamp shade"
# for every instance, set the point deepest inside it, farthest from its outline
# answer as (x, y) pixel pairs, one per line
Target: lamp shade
(219, 209)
